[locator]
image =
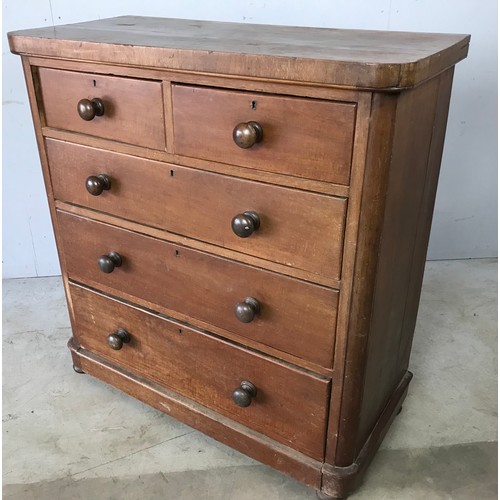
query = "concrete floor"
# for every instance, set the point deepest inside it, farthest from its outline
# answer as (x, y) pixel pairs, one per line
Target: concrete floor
(68, 436)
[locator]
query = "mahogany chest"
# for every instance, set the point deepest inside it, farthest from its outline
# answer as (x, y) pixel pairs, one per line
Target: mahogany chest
(242, 215)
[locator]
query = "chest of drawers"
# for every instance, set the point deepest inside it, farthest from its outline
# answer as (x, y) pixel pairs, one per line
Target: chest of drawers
(242, 215)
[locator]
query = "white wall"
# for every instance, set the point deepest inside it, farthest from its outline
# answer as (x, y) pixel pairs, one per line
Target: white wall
(465, 219)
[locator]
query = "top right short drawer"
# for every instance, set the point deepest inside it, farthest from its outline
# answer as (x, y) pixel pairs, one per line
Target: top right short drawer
(302, 137)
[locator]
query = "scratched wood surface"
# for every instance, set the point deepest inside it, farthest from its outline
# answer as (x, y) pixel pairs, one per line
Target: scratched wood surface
(343, 326)
(201, 205)
(356, 58)
(208, 370)
(296, 317)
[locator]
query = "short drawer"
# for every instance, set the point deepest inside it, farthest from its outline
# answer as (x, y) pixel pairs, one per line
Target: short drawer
(295, 317)
(296, 228)
(303, 137)
(133, 109)
(207, 370)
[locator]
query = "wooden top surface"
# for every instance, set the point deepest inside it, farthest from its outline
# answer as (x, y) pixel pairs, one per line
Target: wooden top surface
(352, 58)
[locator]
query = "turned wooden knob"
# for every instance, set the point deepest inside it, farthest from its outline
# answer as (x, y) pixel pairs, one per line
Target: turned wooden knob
(96, 184)
(108, 262)
(244, 394)
(243, 225)
(88, 110)
(247, 310)
(246, 134)
(118, 338)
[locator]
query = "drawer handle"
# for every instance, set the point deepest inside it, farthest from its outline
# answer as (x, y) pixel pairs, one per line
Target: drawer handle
(96, 184)
(247, 310)
(246, 134)
(244, 394)
(88, 110)
(107, 263)
(243, 225)
(118, 338)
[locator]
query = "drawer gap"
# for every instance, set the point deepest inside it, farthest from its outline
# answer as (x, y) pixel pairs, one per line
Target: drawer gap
(253, 106)
(141, 229)
(184, 324)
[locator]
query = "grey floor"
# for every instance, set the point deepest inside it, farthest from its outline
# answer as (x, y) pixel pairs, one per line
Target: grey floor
(68, 436)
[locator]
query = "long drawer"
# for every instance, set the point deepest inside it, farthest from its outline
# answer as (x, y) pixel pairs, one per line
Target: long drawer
(295, 317)
(132, 108)
(307, 138)
(207, 370)
(299, 229)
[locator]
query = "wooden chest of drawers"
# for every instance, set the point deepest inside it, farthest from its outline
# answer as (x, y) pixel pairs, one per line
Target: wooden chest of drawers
(242, 227)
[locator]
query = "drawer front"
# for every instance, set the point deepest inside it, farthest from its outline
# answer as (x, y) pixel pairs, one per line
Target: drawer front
(208, 370)
(133, 109)
(295, 317)
(298, 229)
(307, 138)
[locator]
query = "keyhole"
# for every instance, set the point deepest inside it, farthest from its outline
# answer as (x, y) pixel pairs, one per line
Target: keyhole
(95, 83)
(254, 105)
(171, 173)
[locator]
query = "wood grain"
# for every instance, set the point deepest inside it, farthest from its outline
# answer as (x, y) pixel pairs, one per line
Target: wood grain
(133, 108)
(296, 317)
(226, 169)
(371, 127)
(217, 426)
(355, 58)
(234, 82)
(344, 181)
(199, 245)
(425, 218)
(340, 482)
(406, 187)
(349, 350)
(201, 205)
(304, 138)
(207, 370)
(388, 230)
(37, 113)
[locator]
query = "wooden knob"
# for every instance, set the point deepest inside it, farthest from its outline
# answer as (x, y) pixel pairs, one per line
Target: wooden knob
(244, 394)
(88, 110)
(118, 338)
(243, 225)
(246, 134)
(247, 310)
(107, 263)
(96, 184)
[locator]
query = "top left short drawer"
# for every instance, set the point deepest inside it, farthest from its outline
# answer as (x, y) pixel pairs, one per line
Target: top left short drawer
(133, 108)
